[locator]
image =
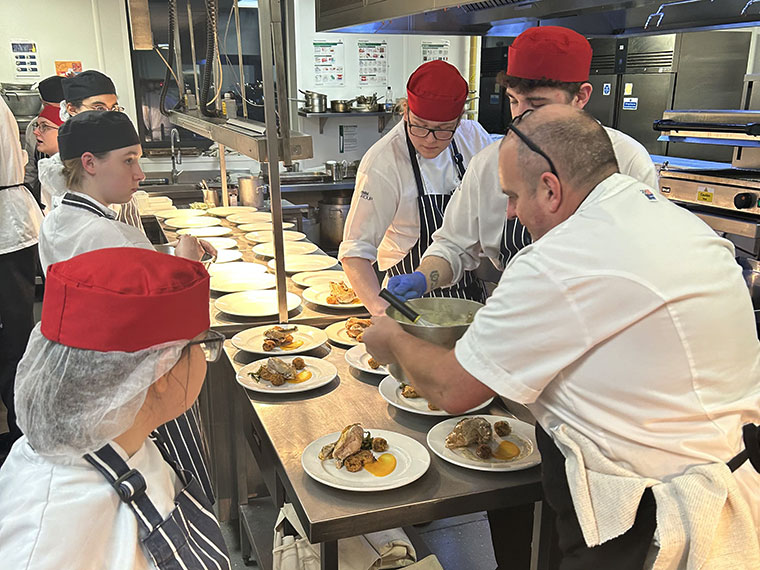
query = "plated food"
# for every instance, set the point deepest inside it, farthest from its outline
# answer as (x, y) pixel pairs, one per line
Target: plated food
(254, 303)
(359, 358)
(355, 327)
(314, 278)
(334, 295)
(485, 443)
(279, 339)
(365, 459)
(405, 397)
(286, 374)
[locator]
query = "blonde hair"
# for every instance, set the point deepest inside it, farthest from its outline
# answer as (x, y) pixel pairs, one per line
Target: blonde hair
(74, 172)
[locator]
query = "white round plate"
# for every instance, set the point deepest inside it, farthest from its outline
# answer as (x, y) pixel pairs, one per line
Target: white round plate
(314, 278)
(254, 303)
(268, 236)
(234, 281)
(390, 390)
(221, 242)
(224, 211)
(192, 222)
(177, 213)
(523, 436)
(263, 226)
(250, 217)
(412, 461)
(298, 263)
(250, 340)
(239, 267)
(211, 231)
(358, 357)
(322, 372)
(227, 255)
(337, 333)
(291, 248)
(318, 295)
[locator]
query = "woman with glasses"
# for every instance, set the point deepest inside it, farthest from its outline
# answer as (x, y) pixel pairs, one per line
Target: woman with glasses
(46, 138)
(100, 152)
(91, 90)
(121, 349)
(405, 182)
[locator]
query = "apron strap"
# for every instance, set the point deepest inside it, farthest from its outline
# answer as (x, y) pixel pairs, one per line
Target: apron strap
(458, 159)
(129, 485)
(11, 186)
(78, 202)
(415, 163)
(751, 437)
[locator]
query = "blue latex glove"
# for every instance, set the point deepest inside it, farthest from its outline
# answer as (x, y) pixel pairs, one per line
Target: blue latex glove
(408, 286)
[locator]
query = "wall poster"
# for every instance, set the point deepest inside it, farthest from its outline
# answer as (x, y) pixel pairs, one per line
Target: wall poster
(373, 63)
(329, 62)
(435, 50)
(25, 63)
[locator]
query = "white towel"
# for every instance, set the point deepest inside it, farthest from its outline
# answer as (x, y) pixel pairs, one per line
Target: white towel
(703, 521)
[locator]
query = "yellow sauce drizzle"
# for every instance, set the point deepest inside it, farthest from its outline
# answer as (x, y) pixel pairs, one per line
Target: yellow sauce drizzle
(302, 376)
(384, 465)
(506, 450)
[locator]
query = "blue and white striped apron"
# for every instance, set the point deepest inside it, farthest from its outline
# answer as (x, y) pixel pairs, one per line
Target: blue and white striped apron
(182, 437)
(189, 538)
(514, 237)
(431, 208)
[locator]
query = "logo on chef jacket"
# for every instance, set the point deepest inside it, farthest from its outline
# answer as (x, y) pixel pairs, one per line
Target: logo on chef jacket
(365, 195)
(648, 194)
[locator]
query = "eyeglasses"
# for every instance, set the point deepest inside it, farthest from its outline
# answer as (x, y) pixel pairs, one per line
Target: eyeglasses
(98, 107)
(438, 134)
(211, 345)
(43, 128)
(529, 143)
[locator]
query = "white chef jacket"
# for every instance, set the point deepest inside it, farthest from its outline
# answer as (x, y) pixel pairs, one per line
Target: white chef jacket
(69, 231)
(384, 220)
(20, 215)
(60, 512)
(631, 323)
(474, 220)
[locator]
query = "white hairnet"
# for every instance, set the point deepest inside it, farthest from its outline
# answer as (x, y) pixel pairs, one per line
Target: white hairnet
(71, 401)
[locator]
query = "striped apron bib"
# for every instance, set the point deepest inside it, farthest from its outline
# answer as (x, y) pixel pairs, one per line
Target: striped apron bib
(431, 208)
(181, 438)
(189, 538)
(514, 237)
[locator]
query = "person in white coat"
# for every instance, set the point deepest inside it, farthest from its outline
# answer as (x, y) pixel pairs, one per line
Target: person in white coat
(121, 349)
(639, 362)
(20, 219)
(406, 181)
(547, 64)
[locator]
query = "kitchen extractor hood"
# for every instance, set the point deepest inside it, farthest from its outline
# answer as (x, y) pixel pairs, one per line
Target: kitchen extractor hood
(510, 17)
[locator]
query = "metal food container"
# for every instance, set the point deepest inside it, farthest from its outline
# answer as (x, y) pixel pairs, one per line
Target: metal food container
(436, 309)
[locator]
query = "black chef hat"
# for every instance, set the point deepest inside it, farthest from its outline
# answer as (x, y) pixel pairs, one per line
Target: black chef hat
(51, 89)
(95, 131)
(87, 84)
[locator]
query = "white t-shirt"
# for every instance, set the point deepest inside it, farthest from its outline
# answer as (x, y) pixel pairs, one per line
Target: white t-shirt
(384, 221)
(58, 513)
(630, 322)
(473, 223)
(68, 231)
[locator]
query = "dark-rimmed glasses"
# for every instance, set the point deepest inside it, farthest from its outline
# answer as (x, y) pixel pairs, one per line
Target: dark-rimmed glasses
(529, 143)
(101, 107)
(211, 345)
(422, 132)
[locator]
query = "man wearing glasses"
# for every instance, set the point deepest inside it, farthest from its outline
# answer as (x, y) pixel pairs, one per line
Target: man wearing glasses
(639, 362)
(45, 132)
(548, 64)
(91, 90)
(405, 182)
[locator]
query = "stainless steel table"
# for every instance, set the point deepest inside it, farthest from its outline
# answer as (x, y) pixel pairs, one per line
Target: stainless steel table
(277, 428)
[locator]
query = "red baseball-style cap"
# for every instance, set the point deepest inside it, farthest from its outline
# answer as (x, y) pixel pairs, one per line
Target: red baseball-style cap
(52, 114)
(550, 52)
(124, 299)
(436, 91)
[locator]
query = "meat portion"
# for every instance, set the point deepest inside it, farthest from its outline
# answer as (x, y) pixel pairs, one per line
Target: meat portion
(326, 452)
(408, 391)
(341, 293)
(278, 336)
(502, 428)
(379, 444)
(355, 327)
(468, 431)
(349, 442)
(357, 461)
(288, 371)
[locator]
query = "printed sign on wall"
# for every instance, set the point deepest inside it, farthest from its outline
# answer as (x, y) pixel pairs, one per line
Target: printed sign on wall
(329, 62)
(373, 63)
(64, 68)
(435, 50)
(25, 63)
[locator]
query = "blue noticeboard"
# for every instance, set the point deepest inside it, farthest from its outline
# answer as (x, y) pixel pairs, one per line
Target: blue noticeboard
(630, 103)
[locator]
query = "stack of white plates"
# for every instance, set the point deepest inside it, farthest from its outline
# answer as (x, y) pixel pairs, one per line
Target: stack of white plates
(263, 226)
(192, 222)
(224, 211)
(265, 236)
(250, 218)
(254, 303)
(291, 248)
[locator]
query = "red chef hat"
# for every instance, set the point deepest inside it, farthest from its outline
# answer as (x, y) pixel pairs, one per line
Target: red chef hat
(436, 91)
(124, 299)
(550, 52)
(52, 114)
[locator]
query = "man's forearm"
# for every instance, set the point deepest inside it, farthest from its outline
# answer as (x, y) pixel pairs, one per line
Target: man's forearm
(364, 282)
(437, 272)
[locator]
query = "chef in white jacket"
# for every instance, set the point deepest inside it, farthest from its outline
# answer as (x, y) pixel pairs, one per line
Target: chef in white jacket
(405, 182)
(640, 363)
(547, 64)
(121, 348)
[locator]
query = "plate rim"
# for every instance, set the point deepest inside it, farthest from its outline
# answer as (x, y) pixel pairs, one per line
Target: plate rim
(235, 246)
(290, 232)
(254, 291)
(259, 274)
(242, 209)
(290, 225)
(297, 388)
(350, 342)
(215, 220)
(300, 350)
(227, 231)
(364, 489)
(363, 348)
(258, 245)
(229, 263)
(300, 283)
(237, 255)
(500, 467)
(260, 219)
(306, 255)
(411, 410)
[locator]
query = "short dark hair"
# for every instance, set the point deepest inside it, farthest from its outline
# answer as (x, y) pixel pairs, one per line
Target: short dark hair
(522, 85)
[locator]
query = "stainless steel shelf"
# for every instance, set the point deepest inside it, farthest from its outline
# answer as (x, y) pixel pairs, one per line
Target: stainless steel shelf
(382, 117)
(250, 141)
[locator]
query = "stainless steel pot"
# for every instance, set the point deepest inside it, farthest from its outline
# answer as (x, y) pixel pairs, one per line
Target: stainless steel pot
(16, 86)
(436, 310)
(333, 212)
(366, 103)
(336, 170)
(23, 103)
(341, 105)
(315, 102)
